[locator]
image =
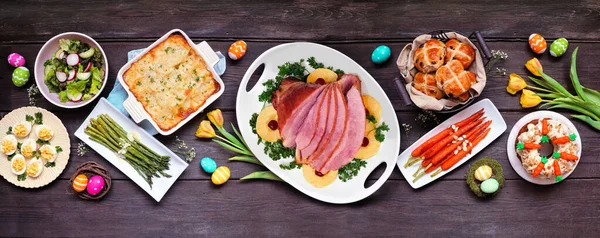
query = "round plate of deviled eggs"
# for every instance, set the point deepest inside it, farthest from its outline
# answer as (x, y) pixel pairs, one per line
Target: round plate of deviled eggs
(34, 147)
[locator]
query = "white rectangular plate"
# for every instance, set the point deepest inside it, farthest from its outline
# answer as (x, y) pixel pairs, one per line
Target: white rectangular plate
(160, 185)
(498, 127)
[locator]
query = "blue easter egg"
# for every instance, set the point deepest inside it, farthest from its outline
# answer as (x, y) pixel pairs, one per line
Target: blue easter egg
(381, 54)
(208, 165)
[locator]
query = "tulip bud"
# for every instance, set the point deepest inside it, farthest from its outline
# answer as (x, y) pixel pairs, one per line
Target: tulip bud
(515, 84)
(205, 130)
(216, 117)
(534, 66)
(530, 99)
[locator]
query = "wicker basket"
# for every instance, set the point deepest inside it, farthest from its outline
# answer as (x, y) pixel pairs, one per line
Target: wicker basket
(90, 169)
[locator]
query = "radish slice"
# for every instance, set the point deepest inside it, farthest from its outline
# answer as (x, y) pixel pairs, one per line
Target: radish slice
(72, 74)
(61, 55)
(75, 98)
(73, 59)
(84, 76)
(61, 76)
(88, 67)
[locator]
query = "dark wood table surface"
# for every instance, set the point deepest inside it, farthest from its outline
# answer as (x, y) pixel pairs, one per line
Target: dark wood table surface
(195, 207)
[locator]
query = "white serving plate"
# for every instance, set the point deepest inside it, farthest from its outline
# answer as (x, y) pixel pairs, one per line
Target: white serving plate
(498, 127)
(135, 108)
(514, 160)
(160, 185)
(247, 103)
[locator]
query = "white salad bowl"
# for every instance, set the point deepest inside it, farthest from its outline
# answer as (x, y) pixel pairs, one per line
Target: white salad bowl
(47, 52)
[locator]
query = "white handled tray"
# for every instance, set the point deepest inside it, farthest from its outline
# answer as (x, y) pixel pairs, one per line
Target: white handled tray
(160, 185)
(514, 160)
(498, 127)
(247, 103)
(135, 108)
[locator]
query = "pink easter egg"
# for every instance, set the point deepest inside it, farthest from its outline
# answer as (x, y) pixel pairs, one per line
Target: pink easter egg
(16, 60)
(95, 185)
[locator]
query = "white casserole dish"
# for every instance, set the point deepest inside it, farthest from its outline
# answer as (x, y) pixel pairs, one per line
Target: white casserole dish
(135, 108)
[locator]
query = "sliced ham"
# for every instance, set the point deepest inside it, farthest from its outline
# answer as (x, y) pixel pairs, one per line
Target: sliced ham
(293, 101)
(309, 128)
(347, 81)
(326, 112)
(335, 132)
(352, 139)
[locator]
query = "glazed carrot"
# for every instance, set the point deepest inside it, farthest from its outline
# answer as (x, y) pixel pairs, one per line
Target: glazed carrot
(444, 142)
(452, 147)
(544, 126)
(567, 156)
(532, 146)
(556, 168)
(538, 169)
(425, 162)
(419, 150)
(461, 154)
(561, 140)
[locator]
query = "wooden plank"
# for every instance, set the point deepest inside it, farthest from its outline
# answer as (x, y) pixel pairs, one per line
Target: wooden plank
(588, 168)
(301, 20)
(254, 209)
(495, 89)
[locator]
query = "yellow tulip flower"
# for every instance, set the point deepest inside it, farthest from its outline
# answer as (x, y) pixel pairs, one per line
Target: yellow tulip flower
(216, 117)
(533, 65)
(205, 130)
(515, 84)
(530, 99)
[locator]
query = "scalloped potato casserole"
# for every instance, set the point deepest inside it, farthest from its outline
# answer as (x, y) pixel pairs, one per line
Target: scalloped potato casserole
(171, 81)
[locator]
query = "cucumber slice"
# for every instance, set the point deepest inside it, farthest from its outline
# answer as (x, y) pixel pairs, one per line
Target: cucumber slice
(87, 54)
(59, 54)
(84, 76)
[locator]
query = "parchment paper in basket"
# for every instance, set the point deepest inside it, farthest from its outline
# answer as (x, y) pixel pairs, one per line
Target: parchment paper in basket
(408, 71)
(118, 94)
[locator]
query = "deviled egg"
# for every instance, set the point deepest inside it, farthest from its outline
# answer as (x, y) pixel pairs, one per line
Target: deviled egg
(44, 133)
(17, 164)
(9, 145)
(22, 129)
(35, 168)
(48, 153)
(28, 148)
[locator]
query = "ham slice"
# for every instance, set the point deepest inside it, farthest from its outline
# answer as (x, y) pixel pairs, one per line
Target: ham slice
(353, 137)
(347, 81)
(335, 132)
(308, 131)
(293, 101)
(327, 115)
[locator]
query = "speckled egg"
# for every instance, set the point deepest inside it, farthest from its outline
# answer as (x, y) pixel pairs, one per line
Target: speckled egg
(381, 54)
(80, 183)
(20, 76)
(16, 60)
(537, 43)
(95, 185)
(208, 165)
(221, 175)
(490, 186)
(237, 50)
(483, 172)
(559, 47)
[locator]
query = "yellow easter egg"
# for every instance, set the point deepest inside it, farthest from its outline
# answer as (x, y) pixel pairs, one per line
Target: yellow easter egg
(221, 175)
(80, 183)
(483, 172)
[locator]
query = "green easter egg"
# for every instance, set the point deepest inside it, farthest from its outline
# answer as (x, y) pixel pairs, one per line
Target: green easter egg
(559, 47)
(20, 76)
(490, 185)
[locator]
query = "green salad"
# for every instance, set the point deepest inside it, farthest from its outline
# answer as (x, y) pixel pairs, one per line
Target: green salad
(75, 71)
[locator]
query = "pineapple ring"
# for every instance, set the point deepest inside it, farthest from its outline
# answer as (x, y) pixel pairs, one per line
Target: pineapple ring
(368, 151)
(263, 129)
(318, 181)
(326, 75)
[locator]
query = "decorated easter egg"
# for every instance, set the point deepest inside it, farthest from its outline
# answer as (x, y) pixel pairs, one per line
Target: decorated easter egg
(208, 165)
(237, 50)
(20, 76)
(16, 60)
(559, 47)
(490, 186)
(537, 43)
(80, 183)
(483, 172)
(221, 175)
(95, 185)
(381, 54)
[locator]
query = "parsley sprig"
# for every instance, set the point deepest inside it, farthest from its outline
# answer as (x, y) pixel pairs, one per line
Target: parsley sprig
(371, 118)
(315, 65)
(351, 169)
(379, 136)
(276, 150)
(290, 166)
(295, 70)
